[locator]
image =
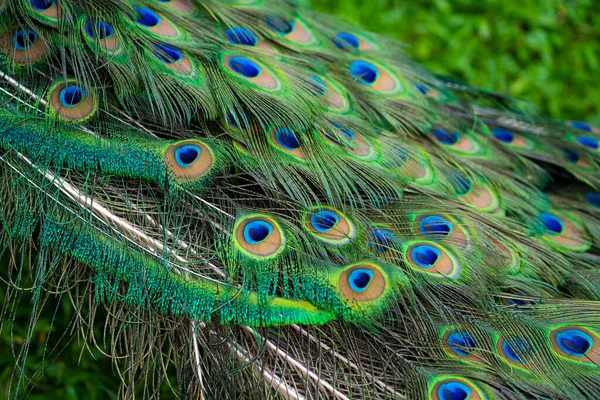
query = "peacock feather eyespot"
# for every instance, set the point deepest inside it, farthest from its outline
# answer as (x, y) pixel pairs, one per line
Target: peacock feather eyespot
(237, 121)
(364, 72)
(362, 282)
(257, 232)
(593, 198)
(280, 25)
(101, 30)
(146, 17)
(462, 185)
(460, 344)
(443, 228)
(503, 135)
(24, 39)
(189, 160)
(375, 77)
(582, 126)
(166, 53)
(346, 41)
(513, 350)
(456, 141)
(353, 42)
(23, 46)
(445, 137)
(511, 139)
(435, 227)
(329, 93)
(588, 141)
(454, 388)
(564, 230)
(360, 279)
(317, 86)
(187, 155)
(519, 304)
(242, 147)
(382, 240)
(286, 140)
(425, 256)
(415, 166)
(173, 58)
(576, 343)
(330, 226)
(71, 101)
(354, 143)
(71, 95)
(552, 224)
(432, 259)
(573, 157)
(258, 236)
(252, 71)
(292, 30)
(241, 36)
(154, 22)
(42, 5)
(46, 11)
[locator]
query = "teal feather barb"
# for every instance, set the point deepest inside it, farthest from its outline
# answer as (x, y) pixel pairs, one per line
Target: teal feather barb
(274, 204)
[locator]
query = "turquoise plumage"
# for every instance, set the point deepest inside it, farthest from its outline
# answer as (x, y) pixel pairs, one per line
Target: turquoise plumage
(273, 204)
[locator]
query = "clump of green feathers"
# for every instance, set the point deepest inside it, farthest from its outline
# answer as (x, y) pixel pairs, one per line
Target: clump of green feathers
(275, 204)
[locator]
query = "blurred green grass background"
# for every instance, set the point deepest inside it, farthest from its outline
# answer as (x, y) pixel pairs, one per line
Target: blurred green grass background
(547, 52)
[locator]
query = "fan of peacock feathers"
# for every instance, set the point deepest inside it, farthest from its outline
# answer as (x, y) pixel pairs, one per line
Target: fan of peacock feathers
(277, 205)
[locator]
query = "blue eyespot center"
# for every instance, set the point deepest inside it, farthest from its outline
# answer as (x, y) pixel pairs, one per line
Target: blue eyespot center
(462, 185)
(571, 156)
(445, 137)
(363, 72)
(360, 279)
(461, 343)
(102, 29)
(435, 227)
(244, 67)
(422, 88)
(512, 348)
(573, 342)
(589, 142)
(553, 224)
(280, 25)
(257, 231)
(186, 155)
(425, 256)
(24, 39)
(503, 135)
(242, 36)
(454, 391)
(345, 41)
(71, 95)
(166, 53)
(146, 17)
(42, 5)
(593, 198)
(581, 126)
(317, 86)
(383, 240)
(286, 138)
(324, 220)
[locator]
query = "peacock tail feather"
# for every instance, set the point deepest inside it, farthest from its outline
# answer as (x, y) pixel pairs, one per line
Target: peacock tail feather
(279, 205)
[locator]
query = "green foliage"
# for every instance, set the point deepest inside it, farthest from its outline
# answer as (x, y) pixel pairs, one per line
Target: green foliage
(547, 52)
